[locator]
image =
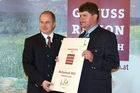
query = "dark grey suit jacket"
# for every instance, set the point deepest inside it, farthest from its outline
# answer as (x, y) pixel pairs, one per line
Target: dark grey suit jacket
(96, 76)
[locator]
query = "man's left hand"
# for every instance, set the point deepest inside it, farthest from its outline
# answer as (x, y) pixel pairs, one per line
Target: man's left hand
(88, 55)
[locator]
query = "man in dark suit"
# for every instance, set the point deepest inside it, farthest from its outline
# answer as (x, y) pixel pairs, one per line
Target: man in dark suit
(39, 55)
(101, 55)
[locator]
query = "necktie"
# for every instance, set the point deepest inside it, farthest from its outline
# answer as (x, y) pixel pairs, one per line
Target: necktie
(49, 41)
(86, 34)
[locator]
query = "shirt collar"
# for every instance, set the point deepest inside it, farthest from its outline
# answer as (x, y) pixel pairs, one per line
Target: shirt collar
(45, 36)
(92, 29)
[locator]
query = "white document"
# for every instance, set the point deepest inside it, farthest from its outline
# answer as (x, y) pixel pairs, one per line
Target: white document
(68, 70)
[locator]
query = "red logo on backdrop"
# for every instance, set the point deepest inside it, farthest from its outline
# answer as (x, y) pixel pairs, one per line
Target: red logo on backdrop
(114, 16)
(70, 58)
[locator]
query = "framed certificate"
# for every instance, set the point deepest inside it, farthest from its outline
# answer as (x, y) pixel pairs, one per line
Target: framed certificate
(67, 71)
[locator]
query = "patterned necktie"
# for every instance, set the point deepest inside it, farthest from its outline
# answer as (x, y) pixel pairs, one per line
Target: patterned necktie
(49, 41)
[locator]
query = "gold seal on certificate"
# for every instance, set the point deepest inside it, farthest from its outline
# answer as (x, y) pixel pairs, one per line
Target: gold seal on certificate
(67, 71)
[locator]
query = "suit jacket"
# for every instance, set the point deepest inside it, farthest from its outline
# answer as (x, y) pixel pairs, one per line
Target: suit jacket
(96, 76)
(38, 60)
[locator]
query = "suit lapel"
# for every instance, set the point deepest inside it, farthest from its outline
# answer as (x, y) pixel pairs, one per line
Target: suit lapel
(41, 40)
(93, 37)
(95, 34)
(54, 44)
(82, 35)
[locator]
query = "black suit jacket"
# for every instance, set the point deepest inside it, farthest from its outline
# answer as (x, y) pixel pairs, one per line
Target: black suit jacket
(96, 76)
(35, 60)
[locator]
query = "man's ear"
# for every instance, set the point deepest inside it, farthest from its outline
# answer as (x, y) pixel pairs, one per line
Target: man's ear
(95, 17)
(54, 25)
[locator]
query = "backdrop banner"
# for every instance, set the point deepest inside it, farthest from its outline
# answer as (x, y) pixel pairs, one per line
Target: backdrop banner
(114, 16)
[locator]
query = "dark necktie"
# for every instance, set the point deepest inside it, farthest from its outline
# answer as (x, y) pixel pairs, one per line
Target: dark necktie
(49, 41)
(86, 34)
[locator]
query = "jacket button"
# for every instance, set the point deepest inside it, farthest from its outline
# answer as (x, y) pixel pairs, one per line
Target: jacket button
(48, 65)
(48, 56)
(48, 75)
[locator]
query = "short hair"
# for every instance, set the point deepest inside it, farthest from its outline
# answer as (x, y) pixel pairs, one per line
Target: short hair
(90, 7)
(49, 12)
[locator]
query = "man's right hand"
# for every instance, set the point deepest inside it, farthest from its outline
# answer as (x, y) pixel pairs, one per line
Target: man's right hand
(46, 85)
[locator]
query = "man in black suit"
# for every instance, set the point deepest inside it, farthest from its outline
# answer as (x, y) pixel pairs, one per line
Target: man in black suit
(101, 55)
(39, 55)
